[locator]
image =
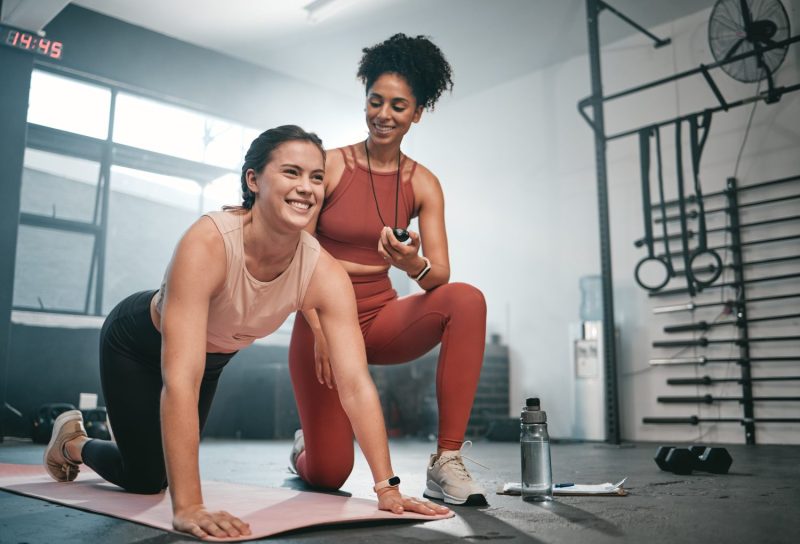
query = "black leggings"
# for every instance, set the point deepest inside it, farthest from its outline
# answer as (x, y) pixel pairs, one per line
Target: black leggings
(130, 373)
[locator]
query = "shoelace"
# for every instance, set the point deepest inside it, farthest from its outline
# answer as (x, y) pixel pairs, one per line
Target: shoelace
(69, 464)
(458, 464)
(68, 468)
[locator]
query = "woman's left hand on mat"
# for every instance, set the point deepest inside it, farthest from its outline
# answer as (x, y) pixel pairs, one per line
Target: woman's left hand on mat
(199, 522)
(402, 255)
(393, 501)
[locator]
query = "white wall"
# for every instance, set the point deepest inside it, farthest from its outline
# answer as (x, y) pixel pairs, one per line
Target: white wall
(517, 166)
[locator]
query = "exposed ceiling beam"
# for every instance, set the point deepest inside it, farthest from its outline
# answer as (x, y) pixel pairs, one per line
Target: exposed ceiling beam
(30, 15)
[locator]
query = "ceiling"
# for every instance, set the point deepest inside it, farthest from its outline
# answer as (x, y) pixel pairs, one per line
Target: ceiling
(498, 40)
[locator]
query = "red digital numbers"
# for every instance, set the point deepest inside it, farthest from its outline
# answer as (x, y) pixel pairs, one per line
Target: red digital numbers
(55, 50)
(33, 43)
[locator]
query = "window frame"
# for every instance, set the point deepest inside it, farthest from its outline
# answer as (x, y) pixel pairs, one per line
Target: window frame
(106, 153)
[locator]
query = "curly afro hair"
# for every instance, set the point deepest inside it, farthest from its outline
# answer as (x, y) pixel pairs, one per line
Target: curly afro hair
(418, 60)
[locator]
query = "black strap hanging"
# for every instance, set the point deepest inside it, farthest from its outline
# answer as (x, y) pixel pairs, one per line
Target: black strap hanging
(682, 205)
(694, 271)
(644, 162)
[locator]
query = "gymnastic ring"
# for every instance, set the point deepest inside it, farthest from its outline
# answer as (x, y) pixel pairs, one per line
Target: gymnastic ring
(637, 270)
(717, 267)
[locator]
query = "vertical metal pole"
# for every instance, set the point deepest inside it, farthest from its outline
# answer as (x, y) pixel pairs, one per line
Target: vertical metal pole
(593, 8)
(17, 67)
(105, 176)
(98, 194)
(741, 298)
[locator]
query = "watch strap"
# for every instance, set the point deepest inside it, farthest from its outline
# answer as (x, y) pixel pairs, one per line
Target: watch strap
(425, 269)
(393, 481)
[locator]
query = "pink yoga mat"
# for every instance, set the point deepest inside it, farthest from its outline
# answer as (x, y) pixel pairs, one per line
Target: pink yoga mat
(268, 510)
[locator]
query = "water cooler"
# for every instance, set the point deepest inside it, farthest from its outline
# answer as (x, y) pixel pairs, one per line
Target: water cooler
(588, 364)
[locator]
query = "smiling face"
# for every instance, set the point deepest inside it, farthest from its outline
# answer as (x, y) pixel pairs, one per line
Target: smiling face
(289, 189)
(391, 109)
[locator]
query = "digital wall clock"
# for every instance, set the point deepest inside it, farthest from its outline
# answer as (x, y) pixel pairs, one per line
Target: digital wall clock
(29, 41)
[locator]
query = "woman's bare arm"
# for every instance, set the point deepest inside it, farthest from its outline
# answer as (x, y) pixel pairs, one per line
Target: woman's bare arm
(433, 233)
(197, 270)
(432, 238)
(331, 293)
(334, 166)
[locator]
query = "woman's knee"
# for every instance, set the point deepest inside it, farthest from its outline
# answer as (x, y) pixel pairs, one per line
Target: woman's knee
(329, 478)
(465, 297)
(146, 485)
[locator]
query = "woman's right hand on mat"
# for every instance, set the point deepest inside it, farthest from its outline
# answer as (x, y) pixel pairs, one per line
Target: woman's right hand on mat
(322, 362)
(198, 521)
(393, 501)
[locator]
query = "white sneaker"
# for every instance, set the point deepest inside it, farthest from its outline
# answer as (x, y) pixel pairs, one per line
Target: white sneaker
(297, 448)
(450, 481)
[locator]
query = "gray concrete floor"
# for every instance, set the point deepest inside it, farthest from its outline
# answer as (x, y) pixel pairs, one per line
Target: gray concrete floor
(758, 502)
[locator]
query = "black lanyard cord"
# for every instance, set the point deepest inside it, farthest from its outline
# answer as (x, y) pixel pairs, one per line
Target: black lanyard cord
(372, 184)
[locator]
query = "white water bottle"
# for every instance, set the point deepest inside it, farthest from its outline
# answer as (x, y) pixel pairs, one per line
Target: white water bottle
(537, 475)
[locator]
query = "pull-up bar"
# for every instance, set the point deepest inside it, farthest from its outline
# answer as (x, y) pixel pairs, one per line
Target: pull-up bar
(770, 95)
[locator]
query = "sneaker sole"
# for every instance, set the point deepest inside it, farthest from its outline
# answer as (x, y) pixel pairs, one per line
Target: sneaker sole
(475, 499)
(298, 447)
(57, 425)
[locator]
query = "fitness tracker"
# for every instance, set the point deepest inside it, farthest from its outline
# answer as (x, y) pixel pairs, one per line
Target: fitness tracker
(424, 271)
(394, 481)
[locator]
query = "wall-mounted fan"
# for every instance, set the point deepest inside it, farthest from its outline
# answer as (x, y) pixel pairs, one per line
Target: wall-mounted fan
(741, 26)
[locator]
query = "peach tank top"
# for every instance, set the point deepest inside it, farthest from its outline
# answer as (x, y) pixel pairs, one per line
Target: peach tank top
(247, 309)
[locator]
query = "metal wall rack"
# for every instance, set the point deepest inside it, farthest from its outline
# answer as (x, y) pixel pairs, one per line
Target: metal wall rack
(738, 308)
(596, 121)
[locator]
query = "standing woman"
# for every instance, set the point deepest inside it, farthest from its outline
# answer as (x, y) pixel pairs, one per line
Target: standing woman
(234, 277)
(371, 188)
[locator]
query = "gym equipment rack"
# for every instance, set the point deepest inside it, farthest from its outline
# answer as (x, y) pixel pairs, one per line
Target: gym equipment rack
(738, 308)
(597, 122)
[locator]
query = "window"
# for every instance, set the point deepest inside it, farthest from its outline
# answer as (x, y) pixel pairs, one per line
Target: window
(164, 167)
(164, 128)
(68, 104)
(59, 186)
(52, 269)
(148, 214)
(223, 191)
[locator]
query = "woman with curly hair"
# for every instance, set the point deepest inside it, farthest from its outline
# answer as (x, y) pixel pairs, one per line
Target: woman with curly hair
(372, 191)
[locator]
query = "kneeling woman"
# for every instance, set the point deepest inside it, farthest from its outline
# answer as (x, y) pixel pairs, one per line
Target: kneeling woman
(372, 186)
(234, 277)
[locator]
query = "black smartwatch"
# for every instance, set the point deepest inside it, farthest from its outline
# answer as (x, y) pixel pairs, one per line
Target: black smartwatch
(394, 481)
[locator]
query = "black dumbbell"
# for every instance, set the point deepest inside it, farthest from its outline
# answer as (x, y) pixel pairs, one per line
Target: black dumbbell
(661, 457)
(714, 460)
(684, 461)
(680, 461)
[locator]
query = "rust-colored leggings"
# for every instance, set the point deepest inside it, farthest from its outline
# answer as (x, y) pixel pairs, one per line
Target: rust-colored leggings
(395, 331)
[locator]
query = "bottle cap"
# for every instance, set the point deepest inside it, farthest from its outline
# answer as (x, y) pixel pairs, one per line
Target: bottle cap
(532, 412)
